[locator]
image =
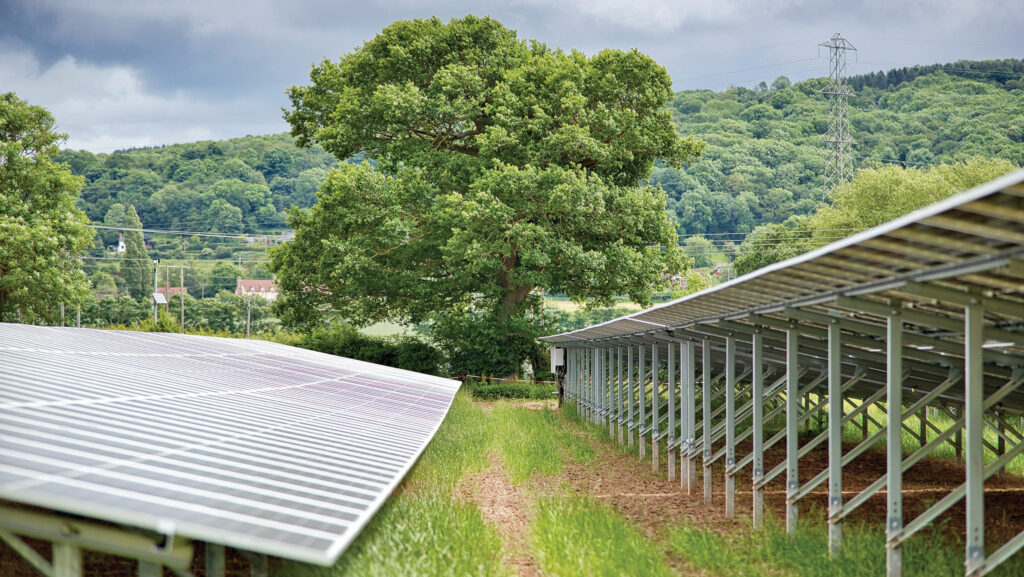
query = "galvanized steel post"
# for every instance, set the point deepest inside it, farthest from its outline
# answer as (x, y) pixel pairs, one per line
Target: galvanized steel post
(894, 444)
(730, 426)
(655, 401)
(792, 418)
(642, 400)
(757, 422)
(706, 416)
(691, 416)
(835, 438)
(974, 411)
(630, 383)
(670, 361)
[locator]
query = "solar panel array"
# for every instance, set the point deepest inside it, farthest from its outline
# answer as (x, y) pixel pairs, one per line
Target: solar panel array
(249, 444)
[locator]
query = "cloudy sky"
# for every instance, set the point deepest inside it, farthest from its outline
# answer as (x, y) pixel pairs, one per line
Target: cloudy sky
(127, 73)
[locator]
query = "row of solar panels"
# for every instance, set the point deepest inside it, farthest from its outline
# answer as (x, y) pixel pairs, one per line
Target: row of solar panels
(927, 266)
(248, 444)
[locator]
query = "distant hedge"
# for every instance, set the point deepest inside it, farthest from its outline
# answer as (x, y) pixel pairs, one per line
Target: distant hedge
(490, 391)
(408, 353)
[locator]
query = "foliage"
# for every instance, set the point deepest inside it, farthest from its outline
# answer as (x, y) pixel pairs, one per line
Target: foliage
(492, 391)
(236, 185)
(403, 352)
(702, 251)
(136, 267)
(763, 162)
(874, 196)
(772, 243)
(503, 166)
(561, 321)
(41, 231)
(882, 194)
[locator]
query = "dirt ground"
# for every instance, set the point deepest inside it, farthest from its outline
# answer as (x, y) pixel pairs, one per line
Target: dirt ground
(504, 506)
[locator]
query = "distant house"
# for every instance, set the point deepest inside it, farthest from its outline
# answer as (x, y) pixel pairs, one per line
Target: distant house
(120, 244)
(256, 287)
(171, 291)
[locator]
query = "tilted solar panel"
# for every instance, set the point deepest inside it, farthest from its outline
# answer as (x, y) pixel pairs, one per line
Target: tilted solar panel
(249, 444)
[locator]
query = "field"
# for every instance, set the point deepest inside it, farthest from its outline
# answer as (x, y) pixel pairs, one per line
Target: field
(519, 489)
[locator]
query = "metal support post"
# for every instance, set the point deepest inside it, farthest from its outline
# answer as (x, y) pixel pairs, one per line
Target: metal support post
(1000, 441)
(618, 393)
(757, 421)
(67, 560)
(706, 416)
(923, 429)
(671, 363)
(690, 374)
(792, 417)
(150, 569)
(214, 560)
(730, 426)
(595, 385)
(258, 564)
(630, 384)
(975, 428)
(894, 444)
(642, 399)
(655, 401)
(835, 438)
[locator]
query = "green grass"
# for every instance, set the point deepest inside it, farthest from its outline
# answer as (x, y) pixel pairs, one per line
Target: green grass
(932, 553)
(576, 536)
(461, 447)
(535, 442)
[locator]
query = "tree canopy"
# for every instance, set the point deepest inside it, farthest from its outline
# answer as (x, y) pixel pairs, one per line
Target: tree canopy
(41, 231)
(502, 166)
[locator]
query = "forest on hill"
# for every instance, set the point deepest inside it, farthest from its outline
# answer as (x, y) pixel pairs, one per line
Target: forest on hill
(241, 185)
(763, 162)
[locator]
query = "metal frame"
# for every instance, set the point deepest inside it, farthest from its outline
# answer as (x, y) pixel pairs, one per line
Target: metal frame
(897, 317)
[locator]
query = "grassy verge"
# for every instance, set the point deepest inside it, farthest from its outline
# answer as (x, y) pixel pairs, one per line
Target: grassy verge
(421, 530)
(535, 442)
(932, 553)
(575, 536)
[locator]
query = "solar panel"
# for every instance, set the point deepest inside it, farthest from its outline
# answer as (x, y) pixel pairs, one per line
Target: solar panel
(249, 444)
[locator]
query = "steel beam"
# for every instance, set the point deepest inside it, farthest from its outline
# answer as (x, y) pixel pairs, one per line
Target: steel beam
(894, 445)
(619, 410)
(672, 411)
(730, 426)
(974, 378)
(757, 425)
(655, 403)
(642, 399)
(835, 437)
(214, 560)
(690, 375)
(706, 415)
(792, 440)
(67, 560)
(631, 385)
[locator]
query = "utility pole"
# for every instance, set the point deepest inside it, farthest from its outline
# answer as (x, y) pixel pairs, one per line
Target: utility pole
(181, 290)
(839, 163)
(156, 272)
(248, 315)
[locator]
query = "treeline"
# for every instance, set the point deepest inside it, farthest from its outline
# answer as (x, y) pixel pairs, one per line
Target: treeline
(764, 161)
(1008, 74)
(231, 186)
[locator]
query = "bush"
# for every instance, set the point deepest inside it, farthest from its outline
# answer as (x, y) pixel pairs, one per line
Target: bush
(408, 353)
(490, 391)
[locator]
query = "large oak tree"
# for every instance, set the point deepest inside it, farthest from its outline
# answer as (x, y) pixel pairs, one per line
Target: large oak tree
(500, 166)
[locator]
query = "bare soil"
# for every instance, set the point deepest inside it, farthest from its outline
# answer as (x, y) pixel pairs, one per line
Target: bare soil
(503, 505)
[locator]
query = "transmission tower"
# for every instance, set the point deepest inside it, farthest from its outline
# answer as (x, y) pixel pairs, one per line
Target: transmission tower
(839, 164)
